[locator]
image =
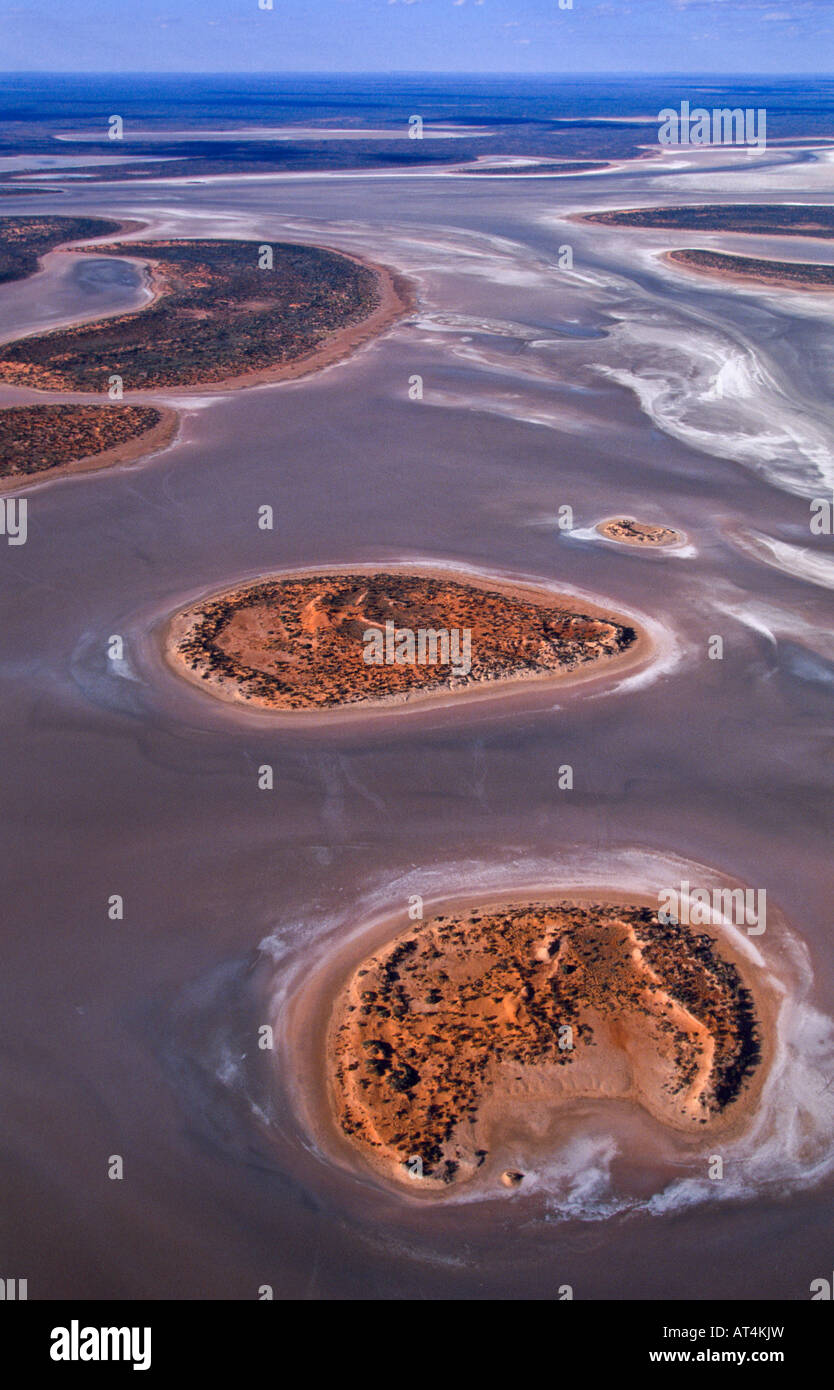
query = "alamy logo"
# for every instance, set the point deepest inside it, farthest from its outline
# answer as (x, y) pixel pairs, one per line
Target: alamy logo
(427, 646)
(721, 126)
(821, 1289)
(697, 907)
(822, 516)
(14, 1290)
(13, 519)
(77, 1343)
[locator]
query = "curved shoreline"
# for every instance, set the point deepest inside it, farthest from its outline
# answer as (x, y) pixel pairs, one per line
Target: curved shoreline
(639, 654)
(78, 320)
(398, 298)
(141, 446)
(397, 295)
(311, 1010)
(734, 276)
(620, 218)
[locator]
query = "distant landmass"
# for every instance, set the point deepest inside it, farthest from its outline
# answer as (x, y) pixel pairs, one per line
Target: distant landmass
(765, 219)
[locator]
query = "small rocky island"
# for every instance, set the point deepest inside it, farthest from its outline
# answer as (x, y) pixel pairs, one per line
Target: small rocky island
(640, 533)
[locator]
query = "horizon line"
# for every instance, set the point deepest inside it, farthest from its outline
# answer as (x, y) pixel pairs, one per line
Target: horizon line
(402, 72)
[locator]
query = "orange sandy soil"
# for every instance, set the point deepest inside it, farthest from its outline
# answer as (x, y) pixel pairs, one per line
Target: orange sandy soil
(638, 533)
(788, 275)
(297, 643)
(445, 1034)
(40, 442)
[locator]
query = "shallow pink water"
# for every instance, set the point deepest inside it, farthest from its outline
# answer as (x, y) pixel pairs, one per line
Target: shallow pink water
(139, 1037)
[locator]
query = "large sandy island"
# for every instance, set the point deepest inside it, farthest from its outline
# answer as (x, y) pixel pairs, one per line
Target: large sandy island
(453, 1032)
(314, 308)
(396, 298)
(363, 638)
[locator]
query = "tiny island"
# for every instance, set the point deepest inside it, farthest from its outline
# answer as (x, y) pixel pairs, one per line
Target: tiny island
(640, 533)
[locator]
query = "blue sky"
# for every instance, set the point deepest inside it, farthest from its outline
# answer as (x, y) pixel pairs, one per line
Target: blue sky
(755, 36)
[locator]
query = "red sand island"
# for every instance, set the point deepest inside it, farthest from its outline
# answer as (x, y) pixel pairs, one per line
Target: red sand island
(447, 1033)
(324, 641)
(49, 441)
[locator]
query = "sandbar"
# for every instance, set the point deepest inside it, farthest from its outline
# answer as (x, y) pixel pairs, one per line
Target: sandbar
(806, 276)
